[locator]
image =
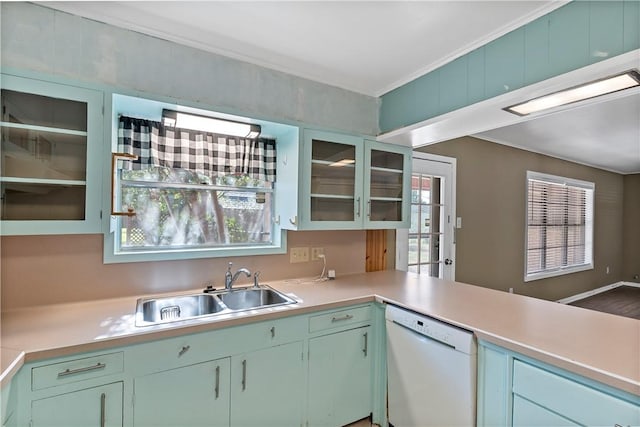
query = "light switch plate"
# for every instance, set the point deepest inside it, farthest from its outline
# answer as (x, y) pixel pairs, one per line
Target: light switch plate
(299, 255)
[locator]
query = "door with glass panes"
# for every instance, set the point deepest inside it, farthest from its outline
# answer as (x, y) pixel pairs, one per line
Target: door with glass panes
(428, 246)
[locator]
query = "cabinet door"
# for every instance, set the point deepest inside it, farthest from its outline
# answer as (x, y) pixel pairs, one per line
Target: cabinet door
(267, 387)
(332, 196)
(387, 186)
(195, 395)
(51, 177)
(92, 407)
(339, 378)
(528, 414)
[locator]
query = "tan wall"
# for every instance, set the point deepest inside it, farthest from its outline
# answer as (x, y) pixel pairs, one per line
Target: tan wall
(491, 186)
(631, 242)
(39, 270)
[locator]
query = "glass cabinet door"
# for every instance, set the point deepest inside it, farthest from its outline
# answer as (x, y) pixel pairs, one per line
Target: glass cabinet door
(334, 180)
(388, 174)
(44, 131)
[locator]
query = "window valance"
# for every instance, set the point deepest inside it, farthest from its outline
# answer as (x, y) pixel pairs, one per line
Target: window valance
(209, 154)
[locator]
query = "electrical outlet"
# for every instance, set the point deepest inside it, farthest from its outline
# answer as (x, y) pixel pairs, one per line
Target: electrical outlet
(298, 255)
(315, 252)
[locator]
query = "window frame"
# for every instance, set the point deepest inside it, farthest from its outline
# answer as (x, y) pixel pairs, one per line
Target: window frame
(589, 225)
(136, 106)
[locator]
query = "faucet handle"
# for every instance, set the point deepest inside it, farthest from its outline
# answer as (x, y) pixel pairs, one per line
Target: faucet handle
(256, 284)
(229, 267)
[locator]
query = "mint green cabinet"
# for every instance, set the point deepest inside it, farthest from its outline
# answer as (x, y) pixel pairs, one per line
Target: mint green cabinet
(266, 387)
(514, 390)
(340, 371)
(92, 407)
(347, 182)
(190, 396)
(528, 414)
(51, 157)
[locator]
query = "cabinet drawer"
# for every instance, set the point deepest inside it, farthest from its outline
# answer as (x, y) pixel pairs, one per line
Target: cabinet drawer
(339, 319)
(76, 370)
(575, 401)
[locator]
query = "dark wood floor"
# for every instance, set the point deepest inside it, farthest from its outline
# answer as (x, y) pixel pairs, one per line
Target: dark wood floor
(623, 301)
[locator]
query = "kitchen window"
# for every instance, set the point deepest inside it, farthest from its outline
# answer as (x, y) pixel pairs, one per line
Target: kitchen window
(188, 193)
(559, 226)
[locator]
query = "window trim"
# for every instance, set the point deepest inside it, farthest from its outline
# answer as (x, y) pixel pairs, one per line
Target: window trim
(589, 224)
(143, 105)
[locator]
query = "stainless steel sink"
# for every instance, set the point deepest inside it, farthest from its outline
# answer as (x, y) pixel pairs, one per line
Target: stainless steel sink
(171, 309)
(153, 311)
(251, 298)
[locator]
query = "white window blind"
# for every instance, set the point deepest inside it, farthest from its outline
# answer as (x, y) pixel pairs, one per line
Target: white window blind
(559, 226)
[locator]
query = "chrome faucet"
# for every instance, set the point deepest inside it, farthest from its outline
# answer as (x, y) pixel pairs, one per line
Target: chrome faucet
(230, 278)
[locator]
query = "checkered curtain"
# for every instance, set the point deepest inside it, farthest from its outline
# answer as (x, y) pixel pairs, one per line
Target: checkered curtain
(209, 154)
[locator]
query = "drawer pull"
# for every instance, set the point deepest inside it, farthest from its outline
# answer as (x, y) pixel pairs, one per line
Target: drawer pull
(273, 332)
(217, 387)
(183, 350)
(68, 372)
(244, 375)
(342, 318)
(103, 404)
(365, 349)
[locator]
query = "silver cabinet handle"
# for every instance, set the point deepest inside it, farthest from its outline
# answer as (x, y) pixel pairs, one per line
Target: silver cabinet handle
(244, 375)
(294, 220)
(217, 387)
(95, 367)
(183, 350)
(369, 209)
(341, 318)
(358, 204)
(366, 344)
(103, 404)
(273, 332)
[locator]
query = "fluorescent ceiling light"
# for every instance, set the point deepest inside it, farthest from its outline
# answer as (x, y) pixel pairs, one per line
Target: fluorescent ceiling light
(579, 93)
(343, 162)
(209, 124)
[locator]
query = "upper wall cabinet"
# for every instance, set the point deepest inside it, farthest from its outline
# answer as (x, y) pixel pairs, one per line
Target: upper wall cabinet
(347, 182)
(51, 172)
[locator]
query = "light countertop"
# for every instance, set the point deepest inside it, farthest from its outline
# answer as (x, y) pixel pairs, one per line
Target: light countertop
(600, 346)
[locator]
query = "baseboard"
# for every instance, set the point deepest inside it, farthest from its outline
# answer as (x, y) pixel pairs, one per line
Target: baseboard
(596, 291)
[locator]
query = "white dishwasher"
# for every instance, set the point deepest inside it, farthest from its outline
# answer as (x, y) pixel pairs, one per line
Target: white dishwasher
(431, 368)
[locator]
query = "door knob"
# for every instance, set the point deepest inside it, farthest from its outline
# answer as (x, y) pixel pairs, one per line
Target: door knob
(448, 261)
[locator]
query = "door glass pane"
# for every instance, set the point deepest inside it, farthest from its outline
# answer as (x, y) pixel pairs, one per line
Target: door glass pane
(329, 180)
(30, 109)
(386, 184)
(384, 210)
(42, 202)
(425, 233)
(327, 209)
(333, 152)
(387, 160)
(36, 154)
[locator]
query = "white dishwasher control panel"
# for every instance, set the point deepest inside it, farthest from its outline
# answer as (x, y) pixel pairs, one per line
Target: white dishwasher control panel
(459, 339)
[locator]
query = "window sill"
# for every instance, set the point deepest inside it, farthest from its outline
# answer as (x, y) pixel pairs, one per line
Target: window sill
(555, 273)
(112, 257)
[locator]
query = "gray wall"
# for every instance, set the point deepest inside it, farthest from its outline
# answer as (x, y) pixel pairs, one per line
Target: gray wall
(43, 40)
(631, 241)
(491, 187)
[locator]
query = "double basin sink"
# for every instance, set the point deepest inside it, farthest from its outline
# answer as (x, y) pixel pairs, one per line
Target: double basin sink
(153, 311)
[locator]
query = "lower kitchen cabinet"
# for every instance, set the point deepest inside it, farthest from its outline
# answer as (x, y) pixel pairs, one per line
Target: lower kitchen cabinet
(266, 387)
(514, 390)
(92, 407)
(340, 378)
(526, 413)
(190, 396)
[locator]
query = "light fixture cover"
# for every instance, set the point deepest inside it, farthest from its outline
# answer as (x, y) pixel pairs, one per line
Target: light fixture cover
(582, 92)
(210, 124)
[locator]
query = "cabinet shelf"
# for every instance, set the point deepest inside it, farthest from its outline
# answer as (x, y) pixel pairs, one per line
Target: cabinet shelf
(44, 181)
(379, 169)
(331, 196)
(43, 128)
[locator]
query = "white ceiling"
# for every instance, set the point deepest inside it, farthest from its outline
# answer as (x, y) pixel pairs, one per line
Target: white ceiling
(368, 47)
(372, 47)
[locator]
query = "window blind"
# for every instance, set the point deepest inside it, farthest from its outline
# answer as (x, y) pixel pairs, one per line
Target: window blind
(559, 225)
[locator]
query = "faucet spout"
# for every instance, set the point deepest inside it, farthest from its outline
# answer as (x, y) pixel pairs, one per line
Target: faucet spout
(230, 278)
